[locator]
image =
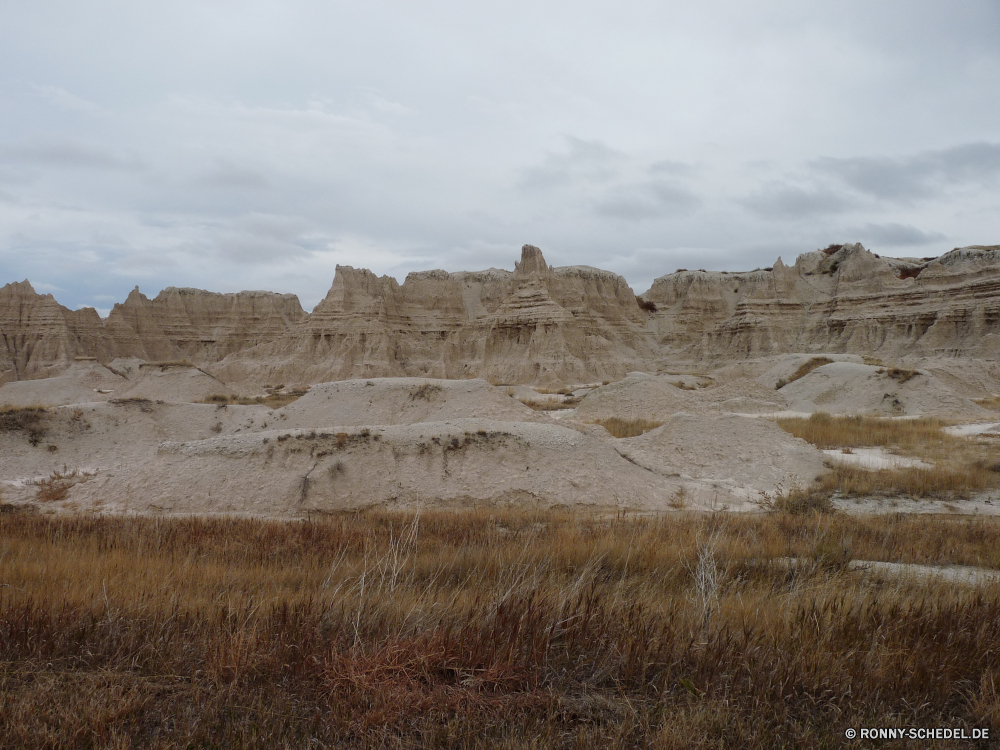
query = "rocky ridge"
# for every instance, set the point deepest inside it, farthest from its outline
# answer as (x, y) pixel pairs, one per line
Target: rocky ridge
(537, 324)
(841, 299)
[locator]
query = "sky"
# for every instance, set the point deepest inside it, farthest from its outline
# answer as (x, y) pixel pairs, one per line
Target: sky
(255, 145)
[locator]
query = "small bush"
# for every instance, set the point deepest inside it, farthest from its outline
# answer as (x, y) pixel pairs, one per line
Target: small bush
(898, 373)
(831, 249)
(56, 487)
(645, 304)
(425, 392)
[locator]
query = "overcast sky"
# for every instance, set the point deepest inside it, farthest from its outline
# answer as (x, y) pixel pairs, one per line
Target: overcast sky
(255, 145)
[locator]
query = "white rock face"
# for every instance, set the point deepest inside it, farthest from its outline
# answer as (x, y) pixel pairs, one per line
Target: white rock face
(846, 300)
(537, 324)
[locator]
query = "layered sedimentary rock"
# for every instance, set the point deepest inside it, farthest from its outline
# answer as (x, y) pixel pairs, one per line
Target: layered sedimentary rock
(842, 299)
(198, 325)
(536, 324)
(40, 338)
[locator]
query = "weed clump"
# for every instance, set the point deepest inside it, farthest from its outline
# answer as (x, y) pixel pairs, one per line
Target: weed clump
(27, 419)
(645, 304)
(55, 487)
(901, 375)
(425, 392)
(275, 398)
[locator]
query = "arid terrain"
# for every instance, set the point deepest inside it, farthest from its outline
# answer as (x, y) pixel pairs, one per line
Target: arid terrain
(506, 509)
(557, 387)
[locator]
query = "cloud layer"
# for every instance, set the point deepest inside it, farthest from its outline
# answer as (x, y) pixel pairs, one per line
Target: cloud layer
(257, 145)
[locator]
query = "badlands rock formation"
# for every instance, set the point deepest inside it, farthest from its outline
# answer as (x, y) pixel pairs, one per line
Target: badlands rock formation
(534, 325)
(842, 299)
(40, 338)
(537, 324)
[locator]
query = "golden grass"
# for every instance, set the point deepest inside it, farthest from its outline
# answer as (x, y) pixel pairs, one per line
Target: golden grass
(625, 428)
(960, 466)
(803, 370)
(487, 629)
(826, 431)
(993, 402)
(941, 482)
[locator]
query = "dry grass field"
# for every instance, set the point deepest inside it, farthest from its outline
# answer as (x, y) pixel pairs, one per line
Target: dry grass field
(488, 628)
(960, 465)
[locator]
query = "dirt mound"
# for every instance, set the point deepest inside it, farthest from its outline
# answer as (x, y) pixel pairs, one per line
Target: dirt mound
(114, 436)
(785, 366)
(173, 382)
(80, 383)
(853, 388)
(739, 455)
(638, 396)
(742, 396)
(387, 401)
(293, 473)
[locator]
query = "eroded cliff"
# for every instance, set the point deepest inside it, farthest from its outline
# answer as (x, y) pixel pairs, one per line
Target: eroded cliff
(535, 324)
(841, 299)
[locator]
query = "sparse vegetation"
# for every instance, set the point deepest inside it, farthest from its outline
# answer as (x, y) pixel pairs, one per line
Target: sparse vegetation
(550, 404)
(831, 249)
(55, 487)
(803, 370)
(900, 374)
(274, 399)
(31, 420)
(645, 304)
(921, 436)
(993, 402)
(960, 466)
(625, 428)
(488, 629)
(425, 392)
(942, 482)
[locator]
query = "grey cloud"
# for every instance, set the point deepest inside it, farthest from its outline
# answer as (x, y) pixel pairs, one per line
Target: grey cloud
(647, 201)
(896, 235)
(591, 161)
(64, 99)
(675, 168)
(783, 201)
(250, 249)
(918, 176)
(226, 174)
(67, 154)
